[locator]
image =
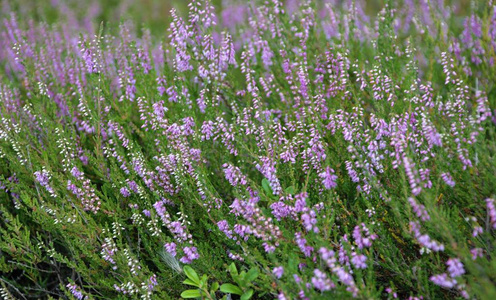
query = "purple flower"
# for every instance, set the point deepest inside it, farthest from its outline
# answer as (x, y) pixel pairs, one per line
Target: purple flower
(269, 248)
(179, 40)
(281, 210)
(412, 174)
(363, 240)
(424, 239)
(321, 282)
(171, 248)
(448, 179)
(207, 130)
(133, 186)
(300, 203)
(351, 172)
(267, 54)
(328, 178)
(476, 252)
(309, 221)
(455, 267)
(296, 278)
(268, 169)
(75, 291)
(152, 282)
(390, 291)
(477, 230)
(278, 272)
(233, 175)
(359, 260)
(224, 227)
(76, 173)
(161, 83)
(108, 251)
(419, 209)
(344, 276)
(326, 254)
(302, 244)
(443, 280)
(43, 178)
(161, 211)
(190, 254)
(125, 192)
(491, 210)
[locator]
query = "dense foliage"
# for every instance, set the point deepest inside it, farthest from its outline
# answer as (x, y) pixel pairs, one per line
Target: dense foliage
(264, 149)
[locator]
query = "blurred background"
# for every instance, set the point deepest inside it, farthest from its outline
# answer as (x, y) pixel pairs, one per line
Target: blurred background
(154, 14)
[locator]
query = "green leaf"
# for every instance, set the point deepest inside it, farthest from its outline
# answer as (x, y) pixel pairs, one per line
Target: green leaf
(191, 294)
(239, 280)
(242, 274)
(190, 282)
(215, 287)
(247, 295)
(233, 269)
(230, 289)
(251, 275)
(292, 263)
(203, 280)
(266, 186)
(290, 190)
(191, 274)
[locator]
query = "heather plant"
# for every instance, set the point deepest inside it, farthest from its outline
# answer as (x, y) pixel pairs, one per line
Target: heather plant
(289, 150)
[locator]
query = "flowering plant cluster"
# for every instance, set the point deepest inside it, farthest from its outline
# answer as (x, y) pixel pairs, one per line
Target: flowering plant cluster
(284, 149)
